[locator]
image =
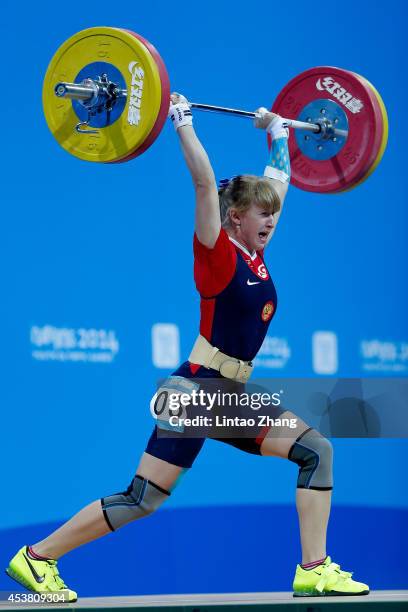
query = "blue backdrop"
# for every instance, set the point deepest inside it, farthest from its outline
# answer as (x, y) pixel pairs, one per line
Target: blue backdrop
(98, 301)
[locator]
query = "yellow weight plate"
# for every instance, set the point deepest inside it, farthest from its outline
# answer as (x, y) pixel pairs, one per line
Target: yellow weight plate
(129, 56)
(384, 138)
(385, 132)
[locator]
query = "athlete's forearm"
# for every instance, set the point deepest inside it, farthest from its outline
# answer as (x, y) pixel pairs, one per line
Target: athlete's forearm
(196, 157)
(278, 167)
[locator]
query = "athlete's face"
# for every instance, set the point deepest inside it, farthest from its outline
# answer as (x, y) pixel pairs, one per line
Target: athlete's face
(255, 226)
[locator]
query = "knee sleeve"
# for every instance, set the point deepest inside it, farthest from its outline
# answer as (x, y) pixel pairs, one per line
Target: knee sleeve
(314, 455)
(141, 498)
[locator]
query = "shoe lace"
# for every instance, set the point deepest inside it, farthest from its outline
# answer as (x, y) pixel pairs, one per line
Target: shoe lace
(55, 573)
(330, 571)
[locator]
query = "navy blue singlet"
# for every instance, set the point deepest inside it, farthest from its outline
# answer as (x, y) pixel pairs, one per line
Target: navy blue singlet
(238, 297)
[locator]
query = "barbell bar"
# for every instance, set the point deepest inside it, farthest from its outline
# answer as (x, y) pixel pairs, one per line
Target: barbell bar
(86, 92)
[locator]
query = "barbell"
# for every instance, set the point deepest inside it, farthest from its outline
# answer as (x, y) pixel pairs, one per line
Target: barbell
(106, 96)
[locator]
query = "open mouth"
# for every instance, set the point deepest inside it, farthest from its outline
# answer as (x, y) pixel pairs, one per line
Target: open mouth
(263, 236)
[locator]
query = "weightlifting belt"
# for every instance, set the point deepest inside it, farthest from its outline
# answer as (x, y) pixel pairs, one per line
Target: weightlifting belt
(209, 356)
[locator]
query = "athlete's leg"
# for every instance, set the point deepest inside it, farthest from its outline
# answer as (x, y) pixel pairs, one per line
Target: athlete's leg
(166, 456)
(313, 505)
(90, 523)
(159, 468)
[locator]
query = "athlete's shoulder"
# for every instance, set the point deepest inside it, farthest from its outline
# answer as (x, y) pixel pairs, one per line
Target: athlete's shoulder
(214, 267)
(222, 242)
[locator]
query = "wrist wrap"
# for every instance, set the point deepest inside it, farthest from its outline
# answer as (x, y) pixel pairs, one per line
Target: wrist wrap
(180, 114)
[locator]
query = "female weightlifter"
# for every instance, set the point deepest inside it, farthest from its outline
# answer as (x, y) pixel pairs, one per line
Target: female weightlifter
(233, 226)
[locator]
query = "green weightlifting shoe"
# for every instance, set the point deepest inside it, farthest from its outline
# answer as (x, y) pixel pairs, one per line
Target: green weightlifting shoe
(38, 576)
(326, 580)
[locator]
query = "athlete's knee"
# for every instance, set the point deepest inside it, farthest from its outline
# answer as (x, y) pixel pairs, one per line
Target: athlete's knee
(314, 455)
(141, 498)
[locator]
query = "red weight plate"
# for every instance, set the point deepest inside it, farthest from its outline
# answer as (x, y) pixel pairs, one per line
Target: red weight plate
(363, 112)
(165, 100)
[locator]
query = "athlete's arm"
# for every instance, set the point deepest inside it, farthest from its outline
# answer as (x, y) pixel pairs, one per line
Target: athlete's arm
(207, 218)
(278, 167)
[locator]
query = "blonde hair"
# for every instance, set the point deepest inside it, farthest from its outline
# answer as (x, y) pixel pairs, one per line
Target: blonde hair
(244, 190)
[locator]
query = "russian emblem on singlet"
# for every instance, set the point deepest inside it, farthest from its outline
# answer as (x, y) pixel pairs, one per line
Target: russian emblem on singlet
(267, 311)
